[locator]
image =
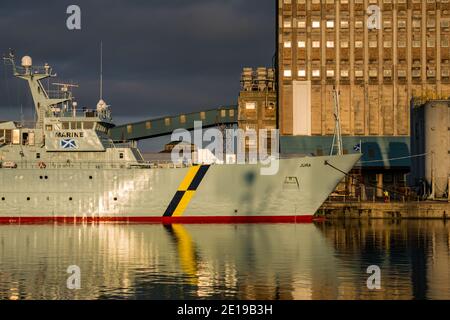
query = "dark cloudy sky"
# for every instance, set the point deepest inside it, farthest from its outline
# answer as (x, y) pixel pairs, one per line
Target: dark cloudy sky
(160, 56)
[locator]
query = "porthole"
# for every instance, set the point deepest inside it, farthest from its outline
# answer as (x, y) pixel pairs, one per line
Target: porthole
(115, 198)
(28, 198)
(46, 177)
(41, 177)
(70, 198)
(3, 198)
(90, 177)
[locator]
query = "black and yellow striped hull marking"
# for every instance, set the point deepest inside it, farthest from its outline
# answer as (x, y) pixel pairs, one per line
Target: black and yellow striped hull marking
(186, 191)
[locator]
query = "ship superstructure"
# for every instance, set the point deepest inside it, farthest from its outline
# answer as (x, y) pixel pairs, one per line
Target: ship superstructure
(66, 168)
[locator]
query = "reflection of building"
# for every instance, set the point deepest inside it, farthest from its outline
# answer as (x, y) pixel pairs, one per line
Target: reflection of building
(326, 44)
(257, 102)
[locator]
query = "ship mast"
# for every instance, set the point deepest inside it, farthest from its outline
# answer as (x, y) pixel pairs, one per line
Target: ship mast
(101, 70)
(34, 75)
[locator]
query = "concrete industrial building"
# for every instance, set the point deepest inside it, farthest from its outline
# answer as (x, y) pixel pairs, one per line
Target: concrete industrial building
(379, 54)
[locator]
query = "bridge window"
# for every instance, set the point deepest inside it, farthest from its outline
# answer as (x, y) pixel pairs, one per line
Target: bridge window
(148, 125)
(38, 155)
(48, 127)
(182, 119)
(65, 126)
(88, 125)
(121, 155)
(129, 128)
(75, 125)
(167, 121)
(231, 113)
(202, 115)
(223, 113)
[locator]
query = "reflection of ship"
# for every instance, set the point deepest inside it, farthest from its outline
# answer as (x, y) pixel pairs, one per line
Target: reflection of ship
(246, 261)
(66, 168)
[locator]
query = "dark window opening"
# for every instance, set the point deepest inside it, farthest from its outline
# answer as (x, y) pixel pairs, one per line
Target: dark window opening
(38, 155)
(121, 155)
(25, 138)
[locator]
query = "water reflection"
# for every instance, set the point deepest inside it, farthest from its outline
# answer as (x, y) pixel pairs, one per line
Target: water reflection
(284, 261)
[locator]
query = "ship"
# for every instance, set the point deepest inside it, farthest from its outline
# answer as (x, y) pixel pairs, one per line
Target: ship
(65, 167)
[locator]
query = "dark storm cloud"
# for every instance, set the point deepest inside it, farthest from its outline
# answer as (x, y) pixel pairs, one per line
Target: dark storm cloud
(160, 57)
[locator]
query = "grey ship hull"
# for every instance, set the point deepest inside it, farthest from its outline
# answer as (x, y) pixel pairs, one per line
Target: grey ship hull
(217, 193)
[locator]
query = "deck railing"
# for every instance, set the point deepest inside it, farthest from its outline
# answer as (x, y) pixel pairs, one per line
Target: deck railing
(44, 165)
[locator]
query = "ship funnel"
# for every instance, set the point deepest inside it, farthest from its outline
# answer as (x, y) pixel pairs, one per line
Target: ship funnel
(27, 62)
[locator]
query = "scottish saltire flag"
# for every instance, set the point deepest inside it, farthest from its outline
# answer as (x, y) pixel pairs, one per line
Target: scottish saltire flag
(357, 147)
(68, 144)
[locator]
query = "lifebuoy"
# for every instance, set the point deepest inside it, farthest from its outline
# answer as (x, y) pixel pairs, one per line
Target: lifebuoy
(42, 165)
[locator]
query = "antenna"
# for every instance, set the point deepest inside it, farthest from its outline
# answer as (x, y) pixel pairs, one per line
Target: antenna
(101, 70)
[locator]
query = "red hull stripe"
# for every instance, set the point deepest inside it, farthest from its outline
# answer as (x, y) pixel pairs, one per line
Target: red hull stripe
(164, 220)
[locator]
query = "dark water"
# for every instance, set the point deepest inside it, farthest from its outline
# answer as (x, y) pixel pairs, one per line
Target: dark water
(281, 261)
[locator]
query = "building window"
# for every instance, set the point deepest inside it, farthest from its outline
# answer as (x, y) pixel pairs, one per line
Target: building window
(344, 44)
(330, 24)
(301, 24)
(344, 24)
(287, 23)
(316, 73)
(302, 73)
(287, 73)
(250, 105)
(316, 24)
(316, 44)
(301, 44)
(330, 44)
(287, 44)
(330, 73)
